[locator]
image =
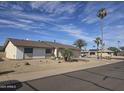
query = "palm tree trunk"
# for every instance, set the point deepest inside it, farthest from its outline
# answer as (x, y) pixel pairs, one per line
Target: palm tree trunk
(97, 52)
(101, 37)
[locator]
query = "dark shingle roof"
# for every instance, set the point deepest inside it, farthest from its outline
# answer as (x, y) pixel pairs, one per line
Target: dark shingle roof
(39, 44)
(27, 43)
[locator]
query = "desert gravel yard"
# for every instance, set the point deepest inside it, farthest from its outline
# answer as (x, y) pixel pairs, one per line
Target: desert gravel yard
(25, 66)
(24, 70)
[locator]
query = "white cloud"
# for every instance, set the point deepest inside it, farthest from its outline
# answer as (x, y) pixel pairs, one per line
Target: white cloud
(9, 5)
(114, 33)
(37, 4)
(14, 24)
(27, 16)
(25, 21)
(90, 19)
(16, 7)
(55, 7)
(75, 32)
(21, 25)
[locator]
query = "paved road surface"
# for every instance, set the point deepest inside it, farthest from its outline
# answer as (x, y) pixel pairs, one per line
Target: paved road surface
(104, 78)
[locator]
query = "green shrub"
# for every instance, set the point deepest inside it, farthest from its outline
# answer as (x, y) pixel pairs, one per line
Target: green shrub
(67, 54)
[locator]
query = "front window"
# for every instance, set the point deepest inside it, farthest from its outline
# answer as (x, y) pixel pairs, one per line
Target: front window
(92, 53)
(48, 51)
(28, 50)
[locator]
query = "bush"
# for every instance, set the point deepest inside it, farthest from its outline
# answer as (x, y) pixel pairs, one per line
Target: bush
(67, 54)
(27, 63)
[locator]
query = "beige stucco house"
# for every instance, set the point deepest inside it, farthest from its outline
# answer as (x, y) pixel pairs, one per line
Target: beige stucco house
(93, 52)
(25, 49)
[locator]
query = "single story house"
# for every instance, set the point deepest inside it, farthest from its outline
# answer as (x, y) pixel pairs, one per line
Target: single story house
(93, 52)
(26, 49)
(120, 53)
(84, 53)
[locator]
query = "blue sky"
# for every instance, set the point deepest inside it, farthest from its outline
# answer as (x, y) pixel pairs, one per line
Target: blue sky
(61, 21)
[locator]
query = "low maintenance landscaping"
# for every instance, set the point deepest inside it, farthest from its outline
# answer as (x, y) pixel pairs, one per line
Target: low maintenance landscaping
(24, 66)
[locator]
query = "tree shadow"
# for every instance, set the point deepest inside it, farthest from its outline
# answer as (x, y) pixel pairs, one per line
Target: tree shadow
(10, 85)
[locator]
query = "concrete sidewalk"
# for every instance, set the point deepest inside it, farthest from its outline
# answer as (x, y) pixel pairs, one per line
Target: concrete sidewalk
(40, 74)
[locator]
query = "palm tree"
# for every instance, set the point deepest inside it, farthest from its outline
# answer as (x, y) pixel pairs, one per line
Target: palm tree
(98, 42)
(80, 43)
(101, 14)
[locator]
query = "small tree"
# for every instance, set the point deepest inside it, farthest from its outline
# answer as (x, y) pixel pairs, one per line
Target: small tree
(114, 49)
(98, 42)
(122, 48)
(67, 54)
(80, 43)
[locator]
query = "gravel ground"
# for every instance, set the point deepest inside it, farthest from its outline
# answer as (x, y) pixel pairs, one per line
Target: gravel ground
(19, 66)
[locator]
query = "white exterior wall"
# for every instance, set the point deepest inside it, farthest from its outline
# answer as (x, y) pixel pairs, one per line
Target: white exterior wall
(10, 51)
(56, 52)
(39, 52)
(13, 52)
(60, 53)
(19, 52)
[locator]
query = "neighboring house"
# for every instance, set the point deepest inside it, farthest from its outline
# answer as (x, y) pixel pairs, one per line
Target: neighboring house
(84, 53)
(25, 49)
(93, 52)
(120, 53)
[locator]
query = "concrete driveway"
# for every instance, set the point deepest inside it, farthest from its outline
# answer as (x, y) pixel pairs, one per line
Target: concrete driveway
(104, 78)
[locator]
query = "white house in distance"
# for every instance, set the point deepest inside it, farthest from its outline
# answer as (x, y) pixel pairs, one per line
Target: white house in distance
(93, 52)
(25, 49)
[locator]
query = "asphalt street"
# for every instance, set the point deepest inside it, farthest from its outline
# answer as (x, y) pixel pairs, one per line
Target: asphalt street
(104, 78)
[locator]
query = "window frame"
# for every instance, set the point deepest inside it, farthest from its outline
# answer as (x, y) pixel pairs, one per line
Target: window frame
(28, 50)
(48, 51)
